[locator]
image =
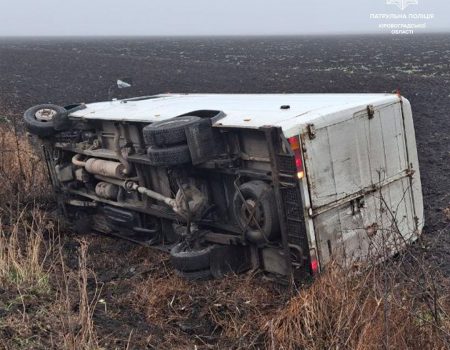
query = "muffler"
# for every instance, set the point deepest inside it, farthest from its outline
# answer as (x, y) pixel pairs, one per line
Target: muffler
(101, 167)
(105, 168)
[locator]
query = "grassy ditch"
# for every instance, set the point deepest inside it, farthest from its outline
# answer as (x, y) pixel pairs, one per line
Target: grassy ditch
(63, 291)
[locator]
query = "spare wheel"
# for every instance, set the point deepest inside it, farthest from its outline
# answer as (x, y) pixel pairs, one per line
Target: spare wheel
(175, 155)
(168, 132)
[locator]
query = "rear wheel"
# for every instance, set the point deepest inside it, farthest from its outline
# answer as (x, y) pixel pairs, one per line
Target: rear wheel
(255, 211)
(188, 259)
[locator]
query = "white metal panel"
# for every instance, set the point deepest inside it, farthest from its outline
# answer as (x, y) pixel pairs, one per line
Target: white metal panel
(360, 191)
(242, 110)
(338, 161)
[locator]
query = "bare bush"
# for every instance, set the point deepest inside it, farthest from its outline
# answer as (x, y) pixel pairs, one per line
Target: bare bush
(23, 252)
(74, 293)
(400, 303)
(342, 311)
(22, 170)
(33, 275)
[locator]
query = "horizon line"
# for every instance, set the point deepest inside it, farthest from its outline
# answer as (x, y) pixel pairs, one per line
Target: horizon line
(215, 35)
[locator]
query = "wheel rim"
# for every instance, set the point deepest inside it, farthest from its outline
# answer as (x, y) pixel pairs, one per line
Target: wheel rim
(252, 214)
(45, 114)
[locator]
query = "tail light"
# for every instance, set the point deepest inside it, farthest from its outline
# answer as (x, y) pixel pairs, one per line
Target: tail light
(314, 262)
(295, 146)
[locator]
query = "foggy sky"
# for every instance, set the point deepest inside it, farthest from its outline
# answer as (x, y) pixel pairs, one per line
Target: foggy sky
(204, 17)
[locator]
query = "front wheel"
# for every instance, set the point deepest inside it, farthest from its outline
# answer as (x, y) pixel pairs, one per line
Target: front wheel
(39, 120)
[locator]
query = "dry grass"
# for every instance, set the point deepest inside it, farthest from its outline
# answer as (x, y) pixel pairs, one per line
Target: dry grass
(22, 257)
(371, 311)
(38, 291)
(50, 296)
(44, 303)
(22, 171)
(392, 306)
(78, 331)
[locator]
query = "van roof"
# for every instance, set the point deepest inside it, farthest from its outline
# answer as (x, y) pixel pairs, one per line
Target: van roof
(241, 110)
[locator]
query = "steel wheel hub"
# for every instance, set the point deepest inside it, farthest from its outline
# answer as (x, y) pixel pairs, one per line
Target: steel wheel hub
(252, 214)
(45, 114)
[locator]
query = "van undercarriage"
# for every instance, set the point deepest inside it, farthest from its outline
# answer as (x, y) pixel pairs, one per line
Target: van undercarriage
(284, 183)
(220, 199)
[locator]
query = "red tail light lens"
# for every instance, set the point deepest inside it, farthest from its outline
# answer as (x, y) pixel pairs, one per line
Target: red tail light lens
(295, 146)
(314, 267)
(314, 262)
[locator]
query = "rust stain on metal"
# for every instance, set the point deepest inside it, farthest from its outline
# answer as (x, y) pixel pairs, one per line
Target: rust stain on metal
(311, 131)
(370, 111)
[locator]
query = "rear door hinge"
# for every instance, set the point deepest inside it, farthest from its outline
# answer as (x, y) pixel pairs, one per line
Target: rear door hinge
(311, 131)
(370, 111)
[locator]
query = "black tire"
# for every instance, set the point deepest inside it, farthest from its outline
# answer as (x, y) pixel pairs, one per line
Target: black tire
(201, 275)
(168, 132)
(188, 260)
(175, 155)
(264, 225)
(39, 120)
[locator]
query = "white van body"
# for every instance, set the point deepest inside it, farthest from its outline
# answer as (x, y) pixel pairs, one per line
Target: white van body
(357, 195)
(361, 190)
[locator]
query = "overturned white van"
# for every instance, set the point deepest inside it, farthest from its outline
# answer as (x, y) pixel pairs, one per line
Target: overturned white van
(280, 182)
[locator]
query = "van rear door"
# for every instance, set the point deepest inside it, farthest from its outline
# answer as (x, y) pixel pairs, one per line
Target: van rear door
(360, 175)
